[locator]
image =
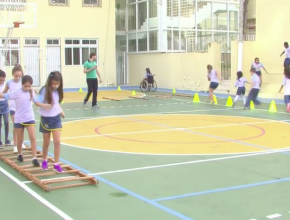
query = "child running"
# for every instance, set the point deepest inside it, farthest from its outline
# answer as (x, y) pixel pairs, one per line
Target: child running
(257, 66)
(4, 110)
(286, 84)
(287, 53)
(13, 85)
(213, 77)
(240, 83)
(50, 122)
(24, 116)
(253, 94)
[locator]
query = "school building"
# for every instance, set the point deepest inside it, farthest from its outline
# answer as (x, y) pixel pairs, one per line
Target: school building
(176, 39)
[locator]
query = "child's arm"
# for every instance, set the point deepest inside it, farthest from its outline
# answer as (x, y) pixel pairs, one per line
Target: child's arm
(282, 53)
(39, 101)
(5, 90)
(281, 88)
(264, 69)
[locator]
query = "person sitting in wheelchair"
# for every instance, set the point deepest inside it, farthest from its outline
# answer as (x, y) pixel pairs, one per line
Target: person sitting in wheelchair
(148, 76)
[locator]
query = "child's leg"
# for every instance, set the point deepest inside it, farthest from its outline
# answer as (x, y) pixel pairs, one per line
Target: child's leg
(211, 95)
(14, 131)
(56, 141)
(256, 93)
(45, 146)
(31, 133)
(0, 128)
(19, 137)
(6, 124)
(236, 98)
(245, 99)
(249, 98)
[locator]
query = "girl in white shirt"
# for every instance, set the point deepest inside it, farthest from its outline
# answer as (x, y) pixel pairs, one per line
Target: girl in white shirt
(286, 84)
(257, 65)
(213, 77)
(254, 92)
(240, 83)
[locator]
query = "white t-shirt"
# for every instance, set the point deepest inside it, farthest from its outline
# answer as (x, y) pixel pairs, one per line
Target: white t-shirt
(213, 76)
(287, 52)
(286, 84)
(241, 82)
(2, 87)
(257, 66)
(256, 81)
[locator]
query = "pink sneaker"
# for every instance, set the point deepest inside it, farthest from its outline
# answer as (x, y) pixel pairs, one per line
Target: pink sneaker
(57, 168)
(44, 165)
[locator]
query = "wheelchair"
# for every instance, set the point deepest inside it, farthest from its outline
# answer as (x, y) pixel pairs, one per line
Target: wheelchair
(148, 84)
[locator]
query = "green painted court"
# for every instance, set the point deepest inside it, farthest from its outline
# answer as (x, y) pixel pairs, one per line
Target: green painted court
(163, 159)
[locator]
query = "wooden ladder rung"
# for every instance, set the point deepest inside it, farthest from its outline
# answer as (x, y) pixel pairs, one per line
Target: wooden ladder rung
(54, 173)
(67, 179)
(24, 156)
(31, 165)
(136, 97)
(69, 185)
(114, 99)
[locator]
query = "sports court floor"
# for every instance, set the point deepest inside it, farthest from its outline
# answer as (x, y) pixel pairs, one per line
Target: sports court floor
(163, 159)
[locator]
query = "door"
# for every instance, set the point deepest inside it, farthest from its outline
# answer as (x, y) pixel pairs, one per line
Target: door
(32, 58)
(53, 58)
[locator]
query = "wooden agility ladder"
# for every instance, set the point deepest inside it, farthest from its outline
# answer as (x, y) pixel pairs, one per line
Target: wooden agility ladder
(40, 177)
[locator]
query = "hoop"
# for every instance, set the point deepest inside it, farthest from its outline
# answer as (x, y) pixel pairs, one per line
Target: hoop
(17, 23)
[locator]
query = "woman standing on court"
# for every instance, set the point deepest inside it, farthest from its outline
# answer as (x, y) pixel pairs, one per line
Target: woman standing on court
(257, 66)
(91, 71)
(213, 77)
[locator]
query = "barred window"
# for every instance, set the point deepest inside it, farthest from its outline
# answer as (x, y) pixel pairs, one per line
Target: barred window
(59, 2)
(92, 3)
(11, 52)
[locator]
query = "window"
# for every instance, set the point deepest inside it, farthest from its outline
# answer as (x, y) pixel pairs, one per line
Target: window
(11, 52)
(77, 51)
(92, 3)
(53, 42)
(31, 42)
(13, 7)
(59, 2)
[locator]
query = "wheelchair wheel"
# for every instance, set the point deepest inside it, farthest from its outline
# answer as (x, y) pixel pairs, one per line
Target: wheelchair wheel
(144, 86)
(153, 86)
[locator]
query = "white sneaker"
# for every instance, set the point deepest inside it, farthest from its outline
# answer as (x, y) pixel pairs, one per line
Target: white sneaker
(23, 146)
(15, 150)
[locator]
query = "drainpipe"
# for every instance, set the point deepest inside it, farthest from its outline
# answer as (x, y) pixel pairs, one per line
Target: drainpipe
(241, 35)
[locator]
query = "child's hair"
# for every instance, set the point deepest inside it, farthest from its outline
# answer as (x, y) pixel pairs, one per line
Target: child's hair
(287, 72)
(240, 75)
(253, 70)
(257, 58)
(2, 74)
(28, 79)
(148, 71)
(56, 76)
(286, 44)
(209, 67)
(17, 68)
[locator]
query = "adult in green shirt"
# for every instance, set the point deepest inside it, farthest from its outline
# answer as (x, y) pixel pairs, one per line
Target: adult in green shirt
(91, 71)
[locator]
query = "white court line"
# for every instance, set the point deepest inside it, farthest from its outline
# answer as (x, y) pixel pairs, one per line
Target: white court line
(178, 164)
(36, 196)
(191, 162)
(274, 216)
(170, 129)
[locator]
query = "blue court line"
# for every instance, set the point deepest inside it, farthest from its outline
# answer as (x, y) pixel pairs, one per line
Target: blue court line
(142, 198)
(221, 190)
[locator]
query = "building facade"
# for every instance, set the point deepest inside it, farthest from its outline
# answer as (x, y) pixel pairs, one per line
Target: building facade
(64, 34)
